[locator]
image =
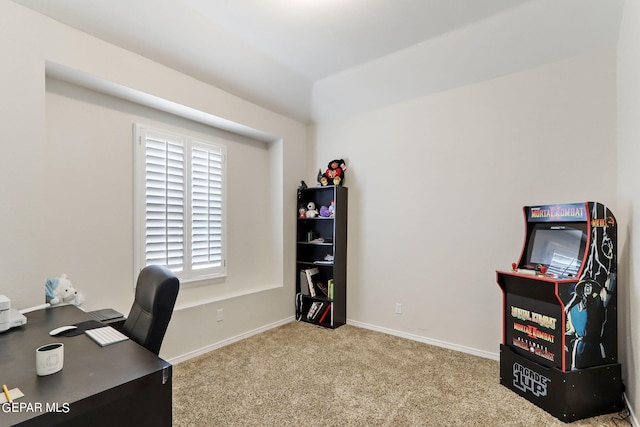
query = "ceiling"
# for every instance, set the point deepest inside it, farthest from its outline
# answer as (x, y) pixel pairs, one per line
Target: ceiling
(285, 54)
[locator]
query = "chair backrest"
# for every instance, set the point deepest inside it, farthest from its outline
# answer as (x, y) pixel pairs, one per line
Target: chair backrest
(156, 293)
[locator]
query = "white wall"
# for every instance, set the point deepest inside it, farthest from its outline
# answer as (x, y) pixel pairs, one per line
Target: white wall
(22, 163)
(628, 199)
(54, 171)
(437, 186)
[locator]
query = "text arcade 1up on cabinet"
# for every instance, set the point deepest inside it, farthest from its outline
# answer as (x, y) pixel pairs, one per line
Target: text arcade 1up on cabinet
(559, 338)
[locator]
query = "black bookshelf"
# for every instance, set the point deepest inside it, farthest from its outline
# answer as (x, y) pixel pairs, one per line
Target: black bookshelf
(321, 250)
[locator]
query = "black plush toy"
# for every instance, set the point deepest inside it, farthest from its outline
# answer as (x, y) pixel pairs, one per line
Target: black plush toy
(334, 175)
(302, 186)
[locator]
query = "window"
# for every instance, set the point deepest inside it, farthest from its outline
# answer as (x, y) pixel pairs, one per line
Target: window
(180, 204)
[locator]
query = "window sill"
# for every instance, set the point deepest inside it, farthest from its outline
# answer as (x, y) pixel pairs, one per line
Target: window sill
(186, 303)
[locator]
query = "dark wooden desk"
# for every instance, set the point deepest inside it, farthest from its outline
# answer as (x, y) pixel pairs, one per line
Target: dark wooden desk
(121, 384)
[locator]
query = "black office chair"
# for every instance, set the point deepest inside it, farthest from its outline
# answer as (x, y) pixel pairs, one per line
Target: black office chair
(156, 294)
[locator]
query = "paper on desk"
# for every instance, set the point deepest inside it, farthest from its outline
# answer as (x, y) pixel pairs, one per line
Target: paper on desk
(15, 394)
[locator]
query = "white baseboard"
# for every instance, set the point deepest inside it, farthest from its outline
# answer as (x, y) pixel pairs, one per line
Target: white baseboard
(225, 342)
(632, 417)
(437, 343)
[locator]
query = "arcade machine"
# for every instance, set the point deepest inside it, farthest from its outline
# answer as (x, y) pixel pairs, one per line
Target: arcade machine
(559, 338)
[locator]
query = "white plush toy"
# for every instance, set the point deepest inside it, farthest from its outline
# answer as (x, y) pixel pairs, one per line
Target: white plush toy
(312, 212)
(59, 290)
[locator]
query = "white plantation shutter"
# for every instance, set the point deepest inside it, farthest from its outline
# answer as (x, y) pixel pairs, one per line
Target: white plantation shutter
(180, 194)
(206, 200)
(164, 203)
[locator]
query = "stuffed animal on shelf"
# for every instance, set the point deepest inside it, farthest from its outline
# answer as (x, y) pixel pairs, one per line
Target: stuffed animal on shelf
(59, 290)
(334, 175)
(324, 211)
(312, 212)
(322, 180)
(302, 186)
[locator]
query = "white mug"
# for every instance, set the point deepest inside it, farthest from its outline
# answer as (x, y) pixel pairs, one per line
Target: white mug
(49, 358)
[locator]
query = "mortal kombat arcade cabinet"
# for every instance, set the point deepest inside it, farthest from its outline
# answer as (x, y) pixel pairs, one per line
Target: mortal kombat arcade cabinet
(559, 338)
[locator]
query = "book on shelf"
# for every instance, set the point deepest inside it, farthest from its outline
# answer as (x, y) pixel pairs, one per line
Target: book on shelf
(322, 287)
(313, 278)
(331, 322)
(314, 310)
(330, 288)
(325, 313)
(304, 286)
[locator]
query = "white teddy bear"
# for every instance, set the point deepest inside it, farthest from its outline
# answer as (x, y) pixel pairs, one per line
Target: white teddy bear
(312, 212)
(59, 290)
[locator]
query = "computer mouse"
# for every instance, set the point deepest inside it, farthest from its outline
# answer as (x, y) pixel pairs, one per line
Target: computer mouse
(61, 329)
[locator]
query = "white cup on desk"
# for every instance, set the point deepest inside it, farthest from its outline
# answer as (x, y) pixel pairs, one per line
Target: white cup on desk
(49, 358)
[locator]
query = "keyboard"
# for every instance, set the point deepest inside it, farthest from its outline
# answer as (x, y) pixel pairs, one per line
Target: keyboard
(106, 335)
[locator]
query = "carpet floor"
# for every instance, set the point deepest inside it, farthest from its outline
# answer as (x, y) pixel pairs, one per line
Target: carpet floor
(300, 374)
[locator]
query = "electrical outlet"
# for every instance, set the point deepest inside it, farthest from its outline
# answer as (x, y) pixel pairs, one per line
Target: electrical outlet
(398, 308)
(219, 315)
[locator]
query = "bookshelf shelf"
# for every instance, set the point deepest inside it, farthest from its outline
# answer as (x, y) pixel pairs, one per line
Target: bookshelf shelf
(315, 263)
(321, 259)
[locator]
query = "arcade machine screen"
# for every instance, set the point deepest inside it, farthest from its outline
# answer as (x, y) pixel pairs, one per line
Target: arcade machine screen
(560, 248)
